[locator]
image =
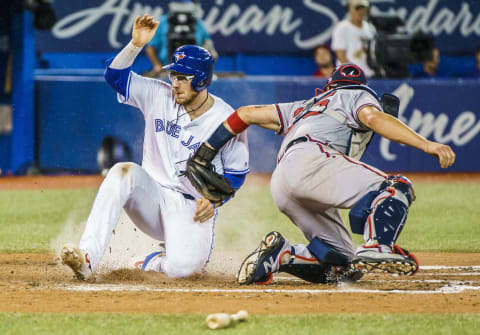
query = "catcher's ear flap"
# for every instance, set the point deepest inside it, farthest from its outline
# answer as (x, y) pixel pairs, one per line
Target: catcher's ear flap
(390, 104)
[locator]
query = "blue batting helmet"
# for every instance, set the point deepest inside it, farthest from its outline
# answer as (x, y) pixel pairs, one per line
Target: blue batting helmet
(192, 59)
(346, 74)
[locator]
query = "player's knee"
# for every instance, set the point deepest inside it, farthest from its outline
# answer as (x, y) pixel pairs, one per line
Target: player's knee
(182, 268)
(180, 271)
(122, 171)
(403, 185)
(121, 178)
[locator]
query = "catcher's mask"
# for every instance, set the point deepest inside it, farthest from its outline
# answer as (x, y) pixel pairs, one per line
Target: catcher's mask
(192, 59)
(346, 74)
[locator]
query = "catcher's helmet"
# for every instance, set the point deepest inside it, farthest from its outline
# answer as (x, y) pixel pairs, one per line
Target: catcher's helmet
(346, 74)
(192, 59)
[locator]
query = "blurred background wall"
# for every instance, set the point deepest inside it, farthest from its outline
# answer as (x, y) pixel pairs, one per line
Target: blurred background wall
(56, 109)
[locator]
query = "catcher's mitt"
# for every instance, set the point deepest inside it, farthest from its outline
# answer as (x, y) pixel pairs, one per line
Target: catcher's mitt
(203, 177)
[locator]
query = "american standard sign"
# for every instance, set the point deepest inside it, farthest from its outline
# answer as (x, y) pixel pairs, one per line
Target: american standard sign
(455, 127)
(280, 26)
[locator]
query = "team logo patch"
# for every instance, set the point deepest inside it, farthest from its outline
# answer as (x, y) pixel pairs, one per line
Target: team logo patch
(179, 55)
(350, 71)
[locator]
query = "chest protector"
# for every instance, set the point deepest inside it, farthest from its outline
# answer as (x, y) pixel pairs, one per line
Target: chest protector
(359, 139)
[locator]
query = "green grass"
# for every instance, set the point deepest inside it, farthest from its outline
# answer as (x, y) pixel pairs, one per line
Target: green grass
(30, 219)
(71, 324)
(444, 218)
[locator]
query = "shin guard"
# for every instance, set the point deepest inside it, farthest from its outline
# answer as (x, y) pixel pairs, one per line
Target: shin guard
(327, 265)
(384, 218)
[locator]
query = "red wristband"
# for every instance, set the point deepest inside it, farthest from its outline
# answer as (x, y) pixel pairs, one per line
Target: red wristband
(236, 123)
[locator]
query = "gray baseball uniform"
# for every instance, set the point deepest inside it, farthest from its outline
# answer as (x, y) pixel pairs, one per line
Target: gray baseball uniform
(317, 175)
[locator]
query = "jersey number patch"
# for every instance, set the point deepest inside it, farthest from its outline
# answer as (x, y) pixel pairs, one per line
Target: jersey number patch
(318, 108)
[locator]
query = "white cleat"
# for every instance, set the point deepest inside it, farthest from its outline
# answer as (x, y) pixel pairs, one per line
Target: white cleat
(77, 261)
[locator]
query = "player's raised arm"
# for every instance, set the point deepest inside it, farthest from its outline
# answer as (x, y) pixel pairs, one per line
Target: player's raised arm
(144, 29)
(397, 131)
(118, 69)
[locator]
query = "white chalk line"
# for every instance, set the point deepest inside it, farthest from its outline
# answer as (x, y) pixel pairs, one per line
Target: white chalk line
(141, 288)
(437, 281)
(449, 286)
(450, 274)
(443, 267)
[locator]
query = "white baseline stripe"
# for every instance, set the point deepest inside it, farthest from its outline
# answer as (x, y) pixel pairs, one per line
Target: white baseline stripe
(449, 287)
(136, 288)
(444, 267)
(450, 274)
(455, 282)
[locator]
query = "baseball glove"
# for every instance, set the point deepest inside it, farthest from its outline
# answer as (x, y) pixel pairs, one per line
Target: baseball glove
(203, 177)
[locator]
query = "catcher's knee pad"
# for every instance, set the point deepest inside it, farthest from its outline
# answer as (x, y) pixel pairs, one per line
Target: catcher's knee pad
(380, 215)
(325, 253)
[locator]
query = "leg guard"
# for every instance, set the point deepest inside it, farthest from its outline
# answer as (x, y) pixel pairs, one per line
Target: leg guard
(325, 253)
(328, 265)
(380, 215)
(313, 273)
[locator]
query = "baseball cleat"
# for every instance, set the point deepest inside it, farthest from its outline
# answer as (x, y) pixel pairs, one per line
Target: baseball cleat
(151, 262)
(399, 262)
(77, 261)
(260, 264)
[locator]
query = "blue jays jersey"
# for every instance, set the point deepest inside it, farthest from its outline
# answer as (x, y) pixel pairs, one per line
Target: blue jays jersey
(171, 136)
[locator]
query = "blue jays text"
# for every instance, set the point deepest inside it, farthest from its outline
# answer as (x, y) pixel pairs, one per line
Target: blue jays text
(173, 130)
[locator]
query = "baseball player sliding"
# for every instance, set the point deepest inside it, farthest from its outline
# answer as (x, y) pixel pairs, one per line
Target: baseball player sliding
(157, 196)
(319, 171)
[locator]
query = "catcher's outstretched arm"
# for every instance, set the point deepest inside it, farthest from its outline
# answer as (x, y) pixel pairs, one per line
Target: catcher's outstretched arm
(397, 131)
(264, 116)
(212, 186)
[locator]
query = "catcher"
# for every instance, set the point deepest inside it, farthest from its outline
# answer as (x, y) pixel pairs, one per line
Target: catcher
(319, 171)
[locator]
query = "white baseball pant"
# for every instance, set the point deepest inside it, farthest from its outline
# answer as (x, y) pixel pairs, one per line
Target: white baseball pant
(159, 212)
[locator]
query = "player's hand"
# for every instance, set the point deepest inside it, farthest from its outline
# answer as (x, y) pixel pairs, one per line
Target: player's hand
(205, 210)
(157, 69)
(443, 152)
(144, 29)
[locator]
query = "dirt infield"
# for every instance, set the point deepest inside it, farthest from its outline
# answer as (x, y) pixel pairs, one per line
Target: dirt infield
(449, 283)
